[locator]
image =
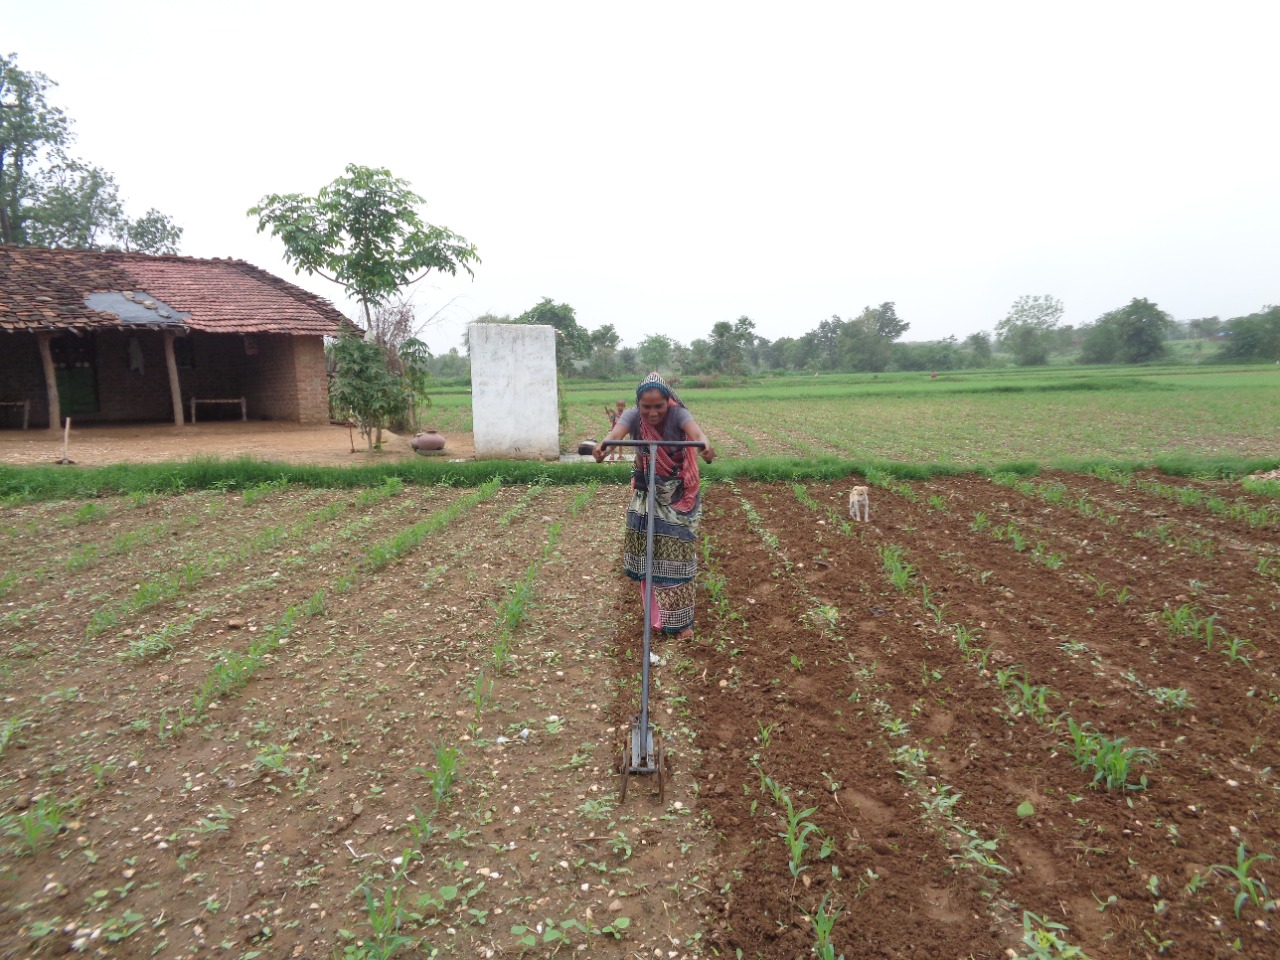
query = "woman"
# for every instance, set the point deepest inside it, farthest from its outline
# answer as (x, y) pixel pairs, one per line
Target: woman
(659, 415)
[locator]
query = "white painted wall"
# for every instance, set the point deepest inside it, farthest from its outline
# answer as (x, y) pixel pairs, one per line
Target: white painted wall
(513, 391)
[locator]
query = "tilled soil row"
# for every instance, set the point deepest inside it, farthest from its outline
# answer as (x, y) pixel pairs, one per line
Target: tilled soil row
(126, 535)
(64, 601)
(1227, 583)
(901, 895)
(357, 722)
(1174, 829)
(1235, 698)
(104, 682)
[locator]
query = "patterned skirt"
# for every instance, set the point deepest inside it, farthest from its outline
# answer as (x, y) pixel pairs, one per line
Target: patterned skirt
(675, 559)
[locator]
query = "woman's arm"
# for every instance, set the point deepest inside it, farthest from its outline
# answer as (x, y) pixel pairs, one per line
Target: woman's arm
(617, 433)
(694, 432)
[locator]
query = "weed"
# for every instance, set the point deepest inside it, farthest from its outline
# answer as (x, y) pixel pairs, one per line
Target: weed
(1232, 650)
(448, 760)
(10, 728)
(1041, 937)
(549, 932)
(824, 921)
(1252, 889)
(766, 732)
(797, 833)
(1176, 698)
(1111, 762)
(38, 824)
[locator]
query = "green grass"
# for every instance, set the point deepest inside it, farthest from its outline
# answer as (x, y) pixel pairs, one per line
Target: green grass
(813, 428)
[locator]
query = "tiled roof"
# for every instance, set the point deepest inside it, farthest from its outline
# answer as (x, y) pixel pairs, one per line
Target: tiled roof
(46, 289)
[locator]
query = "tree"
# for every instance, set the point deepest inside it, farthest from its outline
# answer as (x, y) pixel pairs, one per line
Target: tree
(362, 387)
(31, 132)
(48, 198)
(1027, 331)
(1133, 334)
(980, 345)
(725, 349)
(363, 231)
(573, 342)
(1253, 337)
(1142, 328)
(656, 352)
(604, 351)
(1101, 344)
(866, 341)
(153, 232)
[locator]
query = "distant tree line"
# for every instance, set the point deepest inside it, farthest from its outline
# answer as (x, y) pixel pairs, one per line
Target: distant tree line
(1029, 335)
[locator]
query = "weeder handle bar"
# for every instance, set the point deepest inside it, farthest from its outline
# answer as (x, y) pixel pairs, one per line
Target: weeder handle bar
(654, 443)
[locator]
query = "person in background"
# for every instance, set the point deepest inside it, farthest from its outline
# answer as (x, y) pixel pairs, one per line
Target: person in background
(659, 415)
(614, 413)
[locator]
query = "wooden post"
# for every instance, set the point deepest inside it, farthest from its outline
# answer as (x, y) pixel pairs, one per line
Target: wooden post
(50, 379)
(174, 388)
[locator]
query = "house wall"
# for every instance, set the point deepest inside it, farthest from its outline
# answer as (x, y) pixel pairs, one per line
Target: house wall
(312, 379)
(284, 380)
(21, 378)
(272, 390)
(125, 394)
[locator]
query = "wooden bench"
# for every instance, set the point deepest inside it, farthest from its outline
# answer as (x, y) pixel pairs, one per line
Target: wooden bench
(244, 408)
(26, 410)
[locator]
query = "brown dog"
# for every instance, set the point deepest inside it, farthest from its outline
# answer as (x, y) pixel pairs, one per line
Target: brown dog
(859, 504)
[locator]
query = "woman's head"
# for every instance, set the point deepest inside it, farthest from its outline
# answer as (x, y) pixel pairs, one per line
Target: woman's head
(653, 396)
(653, 404)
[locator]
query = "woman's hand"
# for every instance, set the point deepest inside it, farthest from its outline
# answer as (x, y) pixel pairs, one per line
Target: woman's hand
(599, 452)
(707, 453)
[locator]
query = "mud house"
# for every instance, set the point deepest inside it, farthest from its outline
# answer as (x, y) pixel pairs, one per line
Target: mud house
(110, 337)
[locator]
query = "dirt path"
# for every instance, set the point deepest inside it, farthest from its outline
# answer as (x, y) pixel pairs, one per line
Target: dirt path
(96, 446)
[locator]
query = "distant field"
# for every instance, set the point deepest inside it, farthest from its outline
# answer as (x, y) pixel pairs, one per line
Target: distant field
(1053, 415)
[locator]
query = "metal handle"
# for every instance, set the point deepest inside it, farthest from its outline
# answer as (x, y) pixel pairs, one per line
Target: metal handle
(648, 579)
(652, 443)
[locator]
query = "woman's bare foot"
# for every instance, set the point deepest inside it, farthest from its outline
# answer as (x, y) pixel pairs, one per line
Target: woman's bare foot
(685, 634)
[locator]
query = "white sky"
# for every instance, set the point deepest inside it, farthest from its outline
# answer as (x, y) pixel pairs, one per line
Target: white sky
(663, 166)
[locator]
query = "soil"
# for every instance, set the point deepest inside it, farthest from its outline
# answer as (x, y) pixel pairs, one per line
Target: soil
(206, 791)
(328, 445)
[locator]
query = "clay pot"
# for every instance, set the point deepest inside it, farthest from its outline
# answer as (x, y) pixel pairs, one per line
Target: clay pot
(586, 448)
(428, 441)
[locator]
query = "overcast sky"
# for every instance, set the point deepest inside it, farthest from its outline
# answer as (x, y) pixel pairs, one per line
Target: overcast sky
(663, 166)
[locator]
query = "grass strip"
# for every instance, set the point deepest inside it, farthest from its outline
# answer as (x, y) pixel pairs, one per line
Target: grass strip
(28, 483)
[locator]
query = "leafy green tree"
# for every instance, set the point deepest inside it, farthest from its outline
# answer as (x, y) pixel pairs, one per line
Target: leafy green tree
(363, 388)
(604, 360)
(698, 358)
(1253, 337)
(1027, 330)
(724, 349)
(1204, 328)
(363, 231)
(1101, 344)
(656, 352)
(153, 232)
(866, 341)
(979, 346)
(573, 342)
(50, 199)
(32, 132)
(1141, 329)
(628, 360)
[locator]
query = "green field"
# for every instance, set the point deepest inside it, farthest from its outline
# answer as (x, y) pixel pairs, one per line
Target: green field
(1054, 415)
(1219, 421)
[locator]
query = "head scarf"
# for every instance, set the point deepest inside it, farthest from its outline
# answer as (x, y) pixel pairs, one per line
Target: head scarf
(654, 381)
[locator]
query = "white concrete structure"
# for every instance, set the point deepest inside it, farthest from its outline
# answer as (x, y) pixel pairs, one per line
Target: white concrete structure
(513, 391)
